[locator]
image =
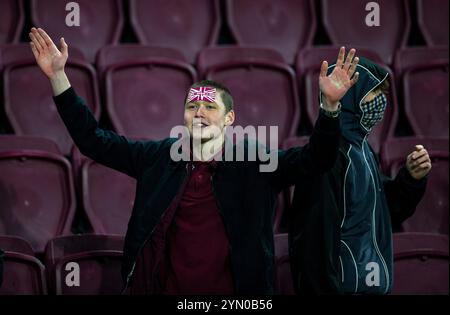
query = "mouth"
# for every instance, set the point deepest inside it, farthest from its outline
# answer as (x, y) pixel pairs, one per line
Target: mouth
(200, 125)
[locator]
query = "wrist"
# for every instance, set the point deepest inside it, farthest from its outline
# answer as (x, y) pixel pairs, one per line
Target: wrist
(334, 113)
(59, 82)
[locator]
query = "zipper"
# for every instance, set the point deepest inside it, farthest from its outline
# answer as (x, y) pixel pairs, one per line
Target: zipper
(176, 199)
(373, 220)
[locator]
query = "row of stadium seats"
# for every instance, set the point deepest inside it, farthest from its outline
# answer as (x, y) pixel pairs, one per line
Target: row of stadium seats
(141, 89)
(284, 25)
(90, 265)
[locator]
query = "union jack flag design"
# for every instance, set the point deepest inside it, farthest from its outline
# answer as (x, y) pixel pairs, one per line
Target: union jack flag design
(203, 93)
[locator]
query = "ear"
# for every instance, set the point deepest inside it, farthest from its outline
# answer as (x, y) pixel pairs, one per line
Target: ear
(229, 118)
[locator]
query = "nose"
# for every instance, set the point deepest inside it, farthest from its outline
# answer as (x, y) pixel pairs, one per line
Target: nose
(200, 112)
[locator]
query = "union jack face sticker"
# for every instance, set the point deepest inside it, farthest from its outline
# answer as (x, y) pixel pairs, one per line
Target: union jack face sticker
(203, 93)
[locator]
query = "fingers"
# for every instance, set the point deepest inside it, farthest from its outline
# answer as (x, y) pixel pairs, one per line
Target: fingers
(349, 59)
(46, 38)
(418, 154)
(39, 38)
(36, 43)
(340, 60)
(419, 147)
(34, 50)
(323, 69)
(420, 161)
(64, 47)
(355, 79)
(352, 68)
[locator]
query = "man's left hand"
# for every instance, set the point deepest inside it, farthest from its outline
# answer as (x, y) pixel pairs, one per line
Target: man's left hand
(418, 163)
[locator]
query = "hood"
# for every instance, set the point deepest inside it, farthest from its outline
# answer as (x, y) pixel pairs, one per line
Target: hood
(371, 76)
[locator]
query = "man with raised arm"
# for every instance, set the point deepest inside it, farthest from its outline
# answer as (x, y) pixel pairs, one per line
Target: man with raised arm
(201, 226)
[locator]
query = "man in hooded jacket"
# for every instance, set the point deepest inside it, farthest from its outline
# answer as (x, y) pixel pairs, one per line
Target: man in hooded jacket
(340, 224)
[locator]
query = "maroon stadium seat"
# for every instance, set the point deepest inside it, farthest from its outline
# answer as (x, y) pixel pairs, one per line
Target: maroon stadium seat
(100, 23)
(432, 16)
(283, 284)
(413, 56)
(308, 63)
(108, 198)
(12, 142)
(283, 25)
(420, 263)
(114, 54)
(212, 55)
(390, 35)
(11, 22)
(37, 194)
(15, 244)
(145, 98)
(426, 100)
(186, 25)
(29, 105)
(23, 274)
(432, 212)
(264, 93)
(99, 260)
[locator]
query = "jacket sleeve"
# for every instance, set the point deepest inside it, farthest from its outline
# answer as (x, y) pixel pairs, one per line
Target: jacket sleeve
(103, 146)
(317, 157)
(403, 194)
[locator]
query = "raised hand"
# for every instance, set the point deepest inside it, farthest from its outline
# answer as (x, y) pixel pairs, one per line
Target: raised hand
(48, 57)
(343, 77)
(418, 163)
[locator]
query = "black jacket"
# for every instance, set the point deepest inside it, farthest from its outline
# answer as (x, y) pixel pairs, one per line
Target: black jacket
(341, 222)
(245, 196)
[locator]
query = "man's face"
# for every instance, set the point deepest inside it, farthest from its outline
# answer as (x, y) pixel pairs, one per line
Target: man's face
(206, 120)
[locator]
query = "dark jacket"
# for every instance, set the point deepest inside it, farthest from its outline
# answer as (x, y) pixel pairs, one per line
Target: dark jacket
(245, 196)
(340, 229)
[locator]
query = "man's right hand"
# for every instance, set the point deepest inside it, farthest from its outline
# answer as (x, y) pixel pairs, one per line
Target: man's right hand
(48, 57)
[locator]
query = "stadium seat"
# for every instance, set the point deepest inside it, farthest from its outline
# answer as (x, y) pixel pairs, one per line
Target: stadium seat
(37, 194)
(98, 258)
(100, 23)
(432, 17)
(390, 35)
(23, 273)
(12, 142)
(114, 54)
(420, 264)
(145, 98)
(11, 22)
(15, 244)
(212, 55)
(186, 25)
(413, 56)
(264, 93)
(108, 198)
(28, 101)
(283, 25)
(283, 284)
(426, 99)
(431, 215)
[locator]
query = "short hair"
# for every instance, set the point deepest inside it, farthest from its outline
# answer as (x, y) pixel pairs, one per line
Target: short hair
(226, 94)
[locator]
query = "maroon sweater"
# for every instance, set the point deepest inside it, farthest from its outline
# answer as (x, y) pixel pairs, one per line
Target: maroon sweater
(188, 252)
